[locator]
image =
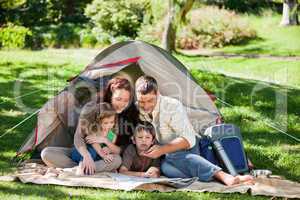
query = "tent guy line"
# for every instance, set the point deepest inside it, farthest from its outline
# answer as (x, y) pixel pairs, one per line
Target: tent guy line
(20, 123)
(269, 124)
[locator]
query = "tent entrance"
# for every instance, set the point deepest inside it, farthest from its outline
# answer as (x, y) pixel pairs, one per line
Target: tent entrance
(132, 72)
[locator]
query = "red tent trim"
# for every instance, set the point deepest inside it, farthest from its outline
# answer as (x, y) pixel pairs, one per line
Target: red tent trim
(122, 62)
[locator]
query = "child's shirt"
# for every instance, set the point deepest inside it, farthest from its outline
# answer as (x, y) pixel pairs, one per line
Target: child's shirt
(134, 162)
(110, 136)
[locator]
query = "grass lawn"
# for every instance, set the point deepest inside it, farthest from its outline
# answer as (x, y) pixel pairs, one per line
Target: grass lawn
(271, 38)
(281, 72)
(251, 111)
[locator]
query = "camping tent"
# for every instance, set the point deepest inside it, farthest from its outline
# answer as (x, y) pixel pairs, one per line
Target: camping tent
(130, 59)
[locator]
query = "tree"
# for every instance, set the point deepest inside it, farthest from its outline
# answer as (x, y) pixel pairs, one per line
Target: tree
(8, 6)
(173, 19)
(290, 13)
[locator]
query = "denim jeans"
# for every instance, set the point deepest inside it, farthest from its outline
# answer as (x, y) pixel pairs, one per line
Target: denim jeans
(187, 164)
(77, 157)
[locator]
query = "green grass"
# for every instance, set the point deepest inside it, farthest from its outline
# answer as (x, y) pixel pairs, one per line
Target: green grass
(271, 38)
(281, 72)
(266, 147)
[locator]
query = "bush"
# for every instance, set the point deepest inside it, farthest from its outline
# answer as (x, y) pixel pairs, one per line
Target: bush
(253, 6)
(117, 17)
(151, 33)
(57, 36)
(214, 27)
(87, 39)
(13, 36)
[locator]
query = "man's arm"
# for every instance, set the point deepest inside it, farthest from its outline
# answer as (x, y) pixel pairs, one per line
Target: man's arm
(177, 144)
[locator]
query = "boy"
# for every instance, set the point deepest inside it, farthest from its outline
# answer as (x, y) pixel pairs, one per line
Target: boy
(134, 164)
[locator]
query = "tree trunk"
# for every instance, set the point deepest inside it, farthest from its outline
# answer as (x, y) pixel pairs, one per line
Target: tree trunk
(290, 13)
(169, 34)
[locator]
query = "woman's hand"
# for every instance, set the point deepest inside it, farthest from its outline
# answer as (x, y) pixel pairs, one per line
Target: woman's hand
(88, 165)
(91, 139)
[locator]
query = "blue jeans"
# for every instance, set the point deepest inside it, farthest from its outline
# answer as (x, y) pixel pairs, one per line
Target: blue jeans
(187, 164)
(77, 157)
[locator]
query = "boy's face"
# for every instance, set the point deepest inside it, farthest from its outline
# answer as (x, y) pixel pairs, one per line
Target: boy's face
(107, 123)
(147, 102)
(143, 140)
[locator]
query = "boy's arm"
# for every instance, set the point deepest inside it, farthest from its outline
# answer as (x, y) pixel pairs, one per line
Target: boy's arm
(124, 170)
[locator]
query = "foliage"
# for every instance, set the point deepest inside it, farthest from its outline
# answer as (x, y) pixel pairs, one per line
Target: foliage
(13, 36)
(87, 39)
(11, 4)
(44, 12)
(253, 6)
(213, 27)
(117, 17)
(58, 36)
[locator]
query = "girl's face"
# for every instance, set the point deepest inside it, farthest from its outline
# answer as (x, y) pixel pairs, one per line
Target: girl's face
(120, 99)
(107, 123)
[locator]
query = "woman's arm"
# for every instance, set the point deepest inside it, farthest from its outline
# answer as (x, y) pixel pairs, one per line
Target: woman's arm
(99, 139)
(88, 164)
(114, 148)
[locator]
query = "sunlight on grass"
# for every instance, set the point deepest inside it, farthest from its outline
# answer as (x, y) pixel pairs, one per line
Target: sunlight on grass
(266, 147)
(272, 39)
(268, 70)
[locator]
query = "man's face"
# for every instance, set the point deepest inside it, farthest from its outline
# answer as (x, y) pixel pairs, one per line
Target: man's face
(147, 102)
(143, 140)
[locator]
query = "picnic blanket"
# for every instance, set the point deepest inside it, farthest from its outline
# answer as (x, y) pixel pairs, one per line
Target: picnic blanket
(40, 174)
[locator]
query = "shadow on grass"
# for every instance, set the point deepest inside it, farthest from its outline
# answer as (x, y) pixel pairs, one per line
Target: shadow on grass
(253, 103)
(20, 97)
(34, 191)
(60, 192)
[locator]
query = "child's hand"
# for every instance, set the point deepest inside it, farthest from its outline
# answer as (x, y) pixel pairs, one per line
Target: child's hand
(106, 150)
(108, 158)
(102, 153)
(152, 172)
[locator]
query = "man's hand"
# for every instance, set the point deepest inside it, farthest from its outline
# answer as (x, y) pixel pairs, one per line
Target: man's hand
(152, 172)
(154, 152)
(91, 139)
(88, 165)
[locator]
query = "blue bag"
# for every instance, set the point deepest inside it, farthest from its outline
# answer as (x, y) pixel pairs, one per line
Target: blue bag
(227, 148)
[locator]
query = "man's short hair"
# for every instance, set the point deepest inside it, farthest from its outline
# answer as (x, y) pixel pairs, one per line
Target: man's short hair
(146, 84)
(145, 126)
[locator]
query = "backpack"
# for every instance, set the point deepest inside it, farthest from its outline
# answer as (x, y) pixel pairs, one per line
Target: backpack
(222, 145)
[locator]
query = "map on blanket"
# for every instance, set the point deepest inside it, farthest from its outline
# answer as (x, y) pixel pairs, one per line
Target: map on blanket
(173, 182)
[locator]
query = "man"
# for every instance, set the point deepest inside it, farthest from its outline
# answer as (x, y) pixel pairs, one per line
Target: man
(176, 136)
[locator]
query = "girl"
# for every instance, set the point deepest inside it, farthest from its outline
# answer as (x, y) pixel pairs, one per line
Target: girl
(98, 120)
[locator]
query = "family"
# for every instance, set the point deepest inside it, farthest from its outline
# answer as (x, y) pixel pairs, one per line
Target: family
(159, 140)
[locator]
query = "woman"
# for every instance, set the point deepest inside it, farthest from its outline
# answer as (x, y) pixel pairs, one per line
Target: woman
(119, 94)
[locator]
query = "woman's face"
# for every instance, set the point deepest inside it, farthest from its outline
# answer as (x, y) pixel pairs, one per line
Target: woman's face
(120, 99)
